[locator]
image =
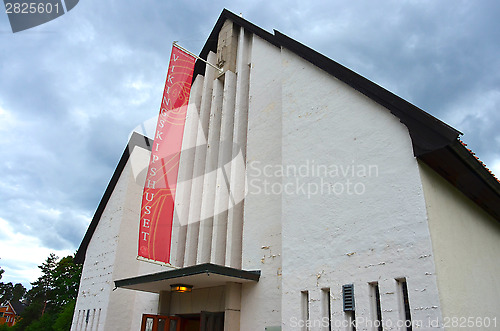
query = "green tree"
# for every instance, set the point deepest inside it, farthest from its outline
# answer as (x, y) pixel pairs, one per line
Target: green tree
(66, 277)
(4, 327)
(52, 296)
(6, 292)
(45, 323)
(18, 292)
(41, 290)
(30, 315)
(9, 292)
(64, 319)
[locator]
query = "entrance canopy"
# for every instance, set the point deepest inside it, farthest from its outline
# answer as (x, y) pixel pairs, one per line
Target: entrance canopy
(198, 276)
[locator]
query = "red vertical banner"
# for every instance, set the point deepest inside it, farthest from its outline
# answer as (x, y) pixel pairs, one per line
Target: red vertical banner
(155, 230)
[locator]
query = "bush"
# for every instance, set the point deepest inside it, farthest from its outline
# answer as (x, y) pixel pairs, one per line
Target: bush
(43, 324)
(64, 319)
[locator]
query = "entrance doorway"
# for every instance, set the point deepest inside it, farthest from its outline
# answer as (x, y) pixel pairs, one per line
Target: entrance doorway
(190, 322)
(205, 321)
(160, 323)
(211, 321)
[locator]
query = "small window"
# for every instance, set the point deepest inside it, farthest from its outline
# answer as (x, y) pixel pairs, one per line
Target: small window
(375, 306)
(404, 303)
(327, 311)
(305, 309)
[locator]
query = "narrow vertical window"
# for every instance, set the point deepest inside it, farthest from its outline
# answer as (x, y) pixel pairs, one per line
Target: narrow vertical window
(98, 317)
(404, 303)
(349, 306)
(78, 318)
(93, 318)
(305, 310)
(327, 312)
(375, 306)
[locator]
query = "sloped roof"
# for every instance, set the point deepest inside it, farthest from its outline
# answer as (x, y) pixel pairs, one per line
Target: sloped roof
(427, 132)
(18, 307)
(434, 142)
(135, 140)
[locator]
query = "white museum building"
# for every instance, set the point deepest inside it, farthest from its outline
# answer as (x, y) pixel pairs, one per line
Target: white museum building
(313, 199)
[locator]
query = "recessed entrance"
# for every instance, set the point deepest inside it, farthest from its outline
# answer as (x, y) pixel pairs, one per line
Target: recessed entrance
(160, 323)
(190, 322)
(205, 321)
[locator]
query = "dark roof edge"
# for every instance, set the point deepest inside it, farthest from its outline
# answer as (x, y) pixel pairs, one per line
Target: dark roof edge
(429, 135)
(208, 268)
(476, 166)
(427, 132)
(135, 140)
(461, 169)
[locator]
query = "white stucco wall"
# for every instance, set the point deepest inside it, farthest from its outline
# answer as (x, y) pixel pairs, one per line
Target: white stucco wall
(262, 221)
(466, 243)
(376, 232)
(111, 255)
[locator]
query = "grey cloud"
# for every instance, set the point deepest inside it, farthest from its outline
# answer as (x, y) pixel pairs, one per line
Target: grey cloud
(78, 85)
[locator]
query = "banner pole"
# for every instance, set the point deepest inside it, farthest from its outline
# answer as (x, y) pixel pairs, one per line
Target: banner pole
(197, 57)
(140, 258)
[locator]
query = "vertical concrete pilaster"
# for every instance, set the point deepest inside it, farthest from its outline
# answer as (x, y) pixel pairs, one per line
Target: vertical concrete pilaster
(184, 216)
(234, 226)
(164, 303)
(232, 307)
(186, 164)
(227, 46)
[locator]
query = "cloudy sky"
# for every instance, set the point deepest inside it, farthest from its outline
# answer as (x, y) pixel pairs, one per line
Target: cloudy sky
(73, 89)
